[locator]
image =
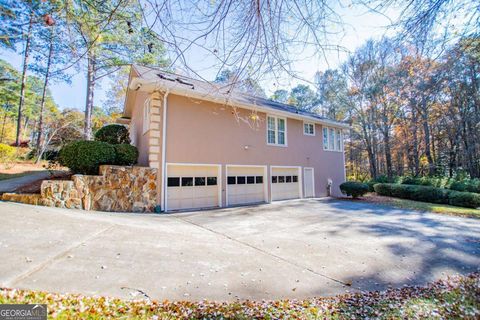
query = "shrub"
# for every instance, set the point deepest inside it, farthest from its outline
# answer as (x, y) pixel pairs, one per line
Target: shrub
(125, 154)
(354, 189)
(466, 185)
(429, 194)
(7, 153)
(464, 199)
(113, 134)
(86, 156)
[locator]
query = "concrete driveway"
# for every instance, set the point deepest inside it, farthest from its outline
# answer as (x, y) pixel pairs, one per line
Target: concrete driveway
(289, 249)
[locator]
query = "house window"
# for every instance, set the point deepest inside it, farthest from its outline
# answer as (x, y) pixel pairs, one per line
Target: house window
(308, 129)
(250, 180)
(146, 116)
(231, 180)
(259, 179)
(281, 179)
(288, 179)
(240, 180)
(276, 131)
(332, 139)
(295, 178)
(274, 179)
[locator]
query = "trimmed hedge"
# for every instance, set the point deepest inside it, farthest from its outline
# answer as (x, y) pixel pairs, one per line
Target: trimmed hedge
(468, 185)
(429, 194)
(86, 156)
(354, 189)
(125, 154)
(113, 134)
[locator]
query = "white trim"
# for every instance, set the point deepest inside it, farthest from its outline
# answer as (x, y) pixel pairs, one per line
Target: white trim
(309, 123)
(147, 106)
(313, 178)
(265, 177)
(219, 179)
(276, 144)
(163, 198)
(300, 180)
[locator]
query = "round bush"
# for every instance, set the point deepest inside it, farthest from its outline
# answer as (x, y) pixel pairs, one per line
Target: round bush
(113, 134)
(125, 154)
(86, 156)
(354, 189)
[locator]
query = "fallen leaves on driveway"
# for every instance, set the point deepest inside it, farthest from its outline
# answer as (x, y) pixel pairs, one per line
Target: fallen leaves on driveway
(457, 297)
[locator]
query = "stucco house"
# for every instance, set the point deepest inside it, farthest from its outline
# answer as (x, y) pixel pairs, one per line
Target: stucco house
(216, 147)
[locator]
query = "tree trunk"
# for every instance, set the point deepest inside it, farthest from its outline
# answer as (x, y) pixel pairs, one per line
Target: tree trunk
(415, 155)
(44, 93)
(90, 91)
(426, 131)
(24, 80)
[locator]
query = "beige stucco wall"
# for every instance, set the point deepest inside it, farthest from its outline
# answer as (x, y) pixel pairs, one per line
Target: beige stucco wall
(205, 132)
(139, 139)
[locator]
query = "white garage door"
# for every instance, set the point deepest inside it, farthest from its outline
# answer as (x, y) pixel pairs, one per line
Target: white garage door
(245, 185)
(285, 183)
(192, 186)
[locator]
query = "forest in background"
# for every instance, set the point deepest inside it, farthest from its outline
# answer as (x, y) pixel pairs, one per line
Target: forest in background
(413, 102)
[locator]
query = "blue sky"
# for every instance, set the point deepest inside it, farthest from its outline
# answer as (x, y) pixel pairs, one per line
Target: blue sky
(360, 25)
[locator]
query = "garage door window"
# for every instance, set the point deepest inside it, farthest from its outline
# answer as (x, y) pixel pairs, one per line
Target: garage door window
(173, 182)
(199, 181)
(284, 179)
(211, 181)
(191, 181)
(187, 181)
(245, 180)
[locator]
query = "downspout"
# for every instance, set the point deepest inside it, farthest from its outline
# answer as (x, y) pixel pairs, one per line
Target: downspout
(164, 142)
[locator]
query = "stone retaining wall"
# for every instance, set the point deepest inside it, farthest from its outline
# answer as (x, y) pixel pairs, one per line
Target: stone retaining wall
(117, 188)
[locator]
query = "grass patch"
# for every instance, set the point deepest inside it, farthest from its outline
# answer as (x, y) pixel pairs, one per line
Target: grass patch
(456, 297)
(423, 206)
(436, 208)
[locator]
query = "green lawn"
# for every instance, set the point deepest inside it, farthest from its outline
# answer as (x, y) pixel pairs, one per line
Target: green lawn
(424, 206)
(452, 298)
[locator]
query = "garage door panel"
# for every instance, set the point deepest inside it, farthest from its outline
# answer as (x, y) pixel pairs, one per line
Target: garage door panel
(285, 183)
(250, 189)
(192, 196)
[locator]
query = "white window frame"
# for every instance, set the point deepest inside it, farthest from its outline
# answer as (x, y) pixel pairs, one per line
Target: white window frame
(328, 137)
(309, 124)
(146, 115)
(276, 118)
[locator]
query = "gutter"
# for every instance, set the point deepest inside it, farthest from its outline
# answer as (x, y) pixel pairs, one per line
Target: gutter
(164, 142)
